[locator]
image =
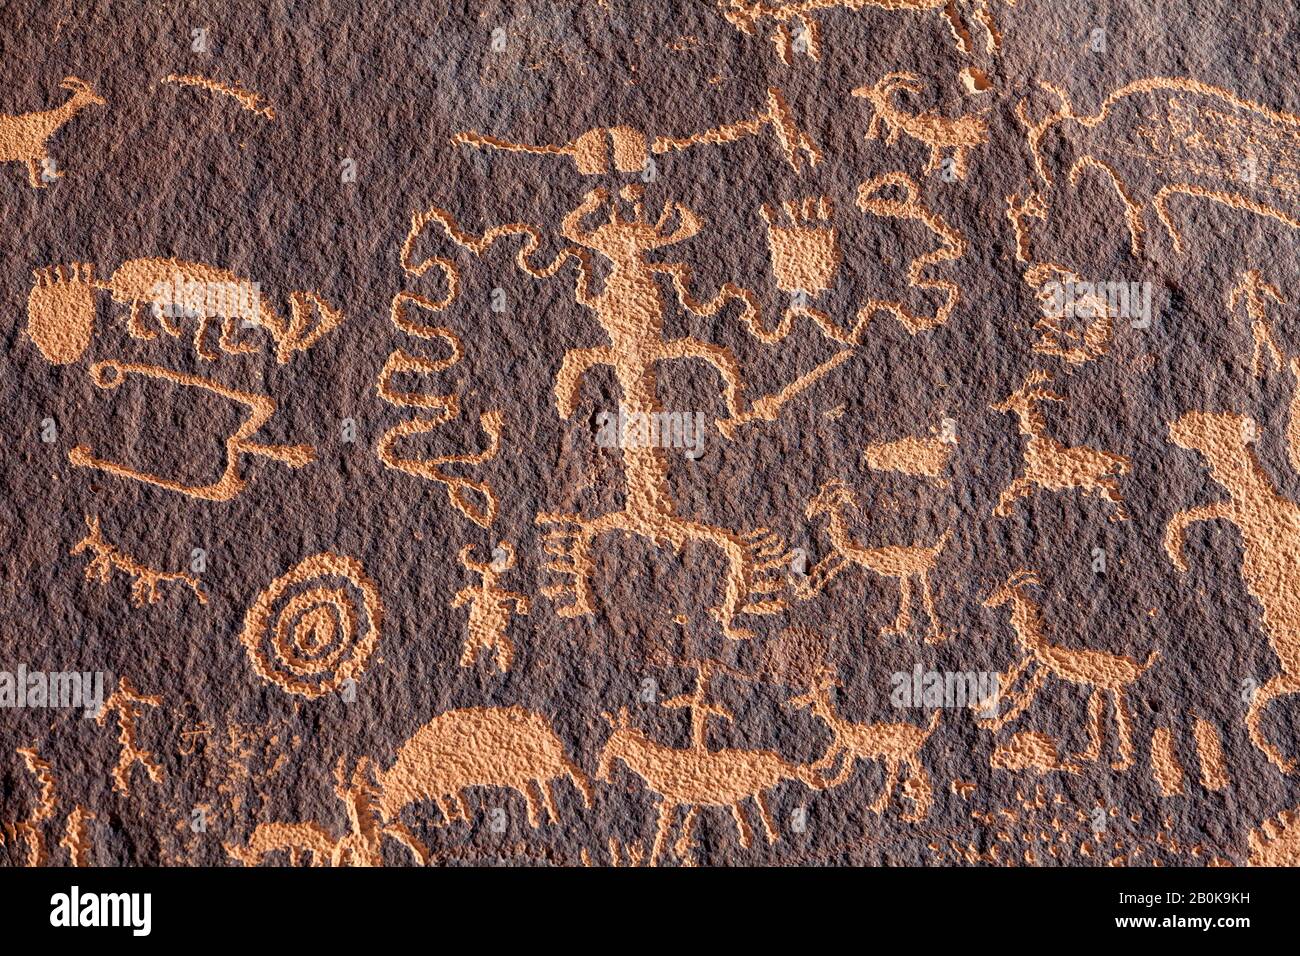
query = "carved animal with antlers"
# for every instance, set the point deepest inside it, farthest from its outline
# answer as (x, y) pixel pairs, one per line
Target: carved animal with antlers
(360, 846)
(935, 131)
(697, 777)
(1051, 465)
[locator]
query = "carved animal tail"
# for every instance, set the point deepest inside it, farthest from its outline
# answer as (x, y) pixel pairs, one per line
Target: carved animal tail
(934, 722)
(943, 540)
(1151, 659)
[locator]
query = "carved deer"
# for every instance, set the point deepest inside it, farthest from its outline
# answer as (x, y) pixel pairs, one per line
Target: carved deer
(1050, 465)
(898, 746)
(935, 131)
(1105, 673)
(902, 562)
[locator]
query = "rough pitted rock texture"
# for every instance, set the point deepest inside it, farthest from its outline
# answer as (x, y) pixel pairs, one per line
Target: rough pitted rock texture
(254, 534)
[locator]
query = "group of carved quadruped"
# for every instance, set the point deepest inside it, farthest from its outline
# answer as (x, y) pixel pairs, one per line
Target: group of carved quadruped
(315, 629)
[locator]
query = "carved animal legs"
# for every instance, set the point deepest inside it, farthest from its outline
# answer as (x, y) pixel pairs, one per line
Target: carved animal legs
(548, 800)
(1095, 717)
(663, 824)
(135, 326)
(765, 817)
(903, 622)
(575, 775)
(891, 781)
(683, 845)
(846, 768)
(904, 619)
(918, 789)
(225, 341)
(200, 333)
(1094, 728)
(1022, 700)
(534, 817)
(936, 635)
(742, 826)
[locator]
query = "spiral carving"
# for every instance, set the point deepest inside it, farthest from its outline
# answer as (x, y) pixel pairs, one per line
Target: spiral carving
(314, 627)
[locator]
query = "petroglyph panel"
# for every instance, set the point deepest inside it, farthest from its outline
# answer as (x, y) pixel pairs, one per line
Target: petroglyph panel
(743, 432)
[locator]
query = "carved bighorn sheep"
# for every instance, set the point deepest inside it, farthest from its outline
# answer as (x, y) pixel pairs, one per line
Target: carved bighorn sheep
(25, 138)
